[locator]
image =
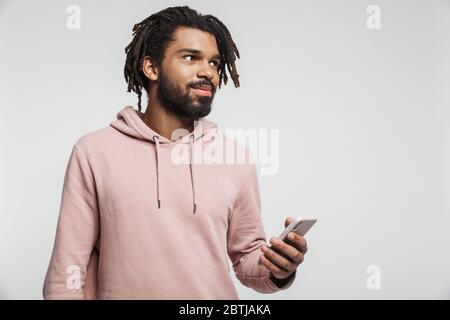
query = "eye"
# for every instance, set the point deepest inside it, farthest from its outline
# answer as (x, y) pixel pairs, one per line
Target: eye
(189, 56)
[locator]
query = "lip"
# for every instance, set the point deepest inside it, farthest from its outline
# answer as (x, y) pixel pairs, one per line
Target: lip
(202, 92)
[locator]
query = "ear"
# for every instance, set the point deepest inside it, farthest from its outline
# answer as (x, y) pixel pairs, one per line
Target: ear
(149, 69)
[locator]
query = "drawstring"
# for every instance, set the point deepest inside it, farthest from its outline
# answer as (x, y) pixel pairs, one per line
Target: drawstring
(156, 139)
(191, 153)
(191, 165)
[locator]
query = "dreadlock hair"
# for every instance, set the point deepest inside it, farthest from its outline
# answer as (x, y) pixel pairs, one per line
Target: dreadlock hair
(152, 35)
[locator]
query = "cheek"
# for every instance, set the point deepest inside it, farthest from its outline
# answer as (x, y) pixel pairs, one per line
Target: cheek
(186, 73)
(180, 73)
(216, 81)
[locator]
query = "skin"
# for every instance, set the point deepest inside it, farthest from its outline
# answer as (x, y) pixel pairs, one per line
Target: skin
(282, 259)
(182, 69)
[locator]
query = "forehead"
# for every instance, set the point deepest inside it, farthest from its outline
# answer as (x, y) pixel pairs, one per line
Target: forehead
(193, 39)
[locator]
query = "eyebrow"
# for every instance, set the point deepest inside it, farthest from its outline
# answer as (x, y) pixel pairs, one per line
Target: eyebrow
(195, 51)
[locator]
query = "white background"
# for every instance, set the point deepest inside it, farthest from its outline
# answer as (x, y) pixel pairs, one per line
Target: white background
(363, 118)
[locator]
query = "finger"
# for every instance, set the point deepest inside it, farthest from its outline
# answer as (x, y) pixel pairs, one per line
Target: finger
(277, 271)
(278, 259)
(290, 251)
(288, 221)
(299, 242)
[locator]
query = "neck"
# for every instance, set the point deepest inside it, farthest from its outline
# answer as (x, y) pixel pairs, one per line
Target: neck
(160, 121)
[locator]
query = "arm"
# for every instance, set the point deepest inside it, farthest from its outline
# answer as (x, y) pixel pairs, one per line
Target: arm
(246, 235)
(76, 234)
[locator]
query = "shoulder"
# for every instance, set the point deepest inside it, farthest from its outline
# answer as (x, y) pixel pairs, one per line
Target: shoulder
(95, 140)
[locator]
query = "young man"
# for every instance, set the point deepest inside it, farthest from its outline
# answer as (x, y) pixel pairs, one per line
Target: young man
(143, 215)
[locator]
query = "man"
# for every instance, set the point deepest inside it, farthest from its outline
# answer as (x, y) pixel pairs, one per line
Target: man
(138, 221)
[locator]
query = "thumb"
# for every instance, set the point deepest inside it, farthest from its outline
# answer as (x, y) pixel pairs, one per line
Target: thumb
(288, 221)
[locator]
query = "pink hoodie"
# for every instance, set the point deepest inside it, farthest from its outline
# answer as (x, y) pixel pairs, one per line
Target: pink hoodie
(135, 224)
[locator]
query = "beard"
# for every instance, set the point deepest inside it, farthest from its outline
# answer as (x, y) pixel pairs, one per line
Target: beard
(179, 102)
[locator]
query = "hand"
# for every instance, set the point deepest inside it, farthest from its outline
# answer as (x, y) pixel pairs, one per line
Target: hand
(282, 258)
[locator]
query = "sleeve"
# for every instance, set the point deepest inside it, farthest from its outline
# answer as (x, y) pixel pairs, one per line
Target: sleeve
(73, 255)
(246, 235)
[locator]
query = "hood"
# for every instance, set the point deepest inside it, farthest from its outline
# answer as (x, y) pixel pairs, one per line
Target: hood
(130, 123)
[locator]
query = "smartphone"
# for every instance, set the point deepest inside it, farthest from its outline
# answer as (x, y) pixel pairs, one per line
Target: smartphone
(300, 225)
